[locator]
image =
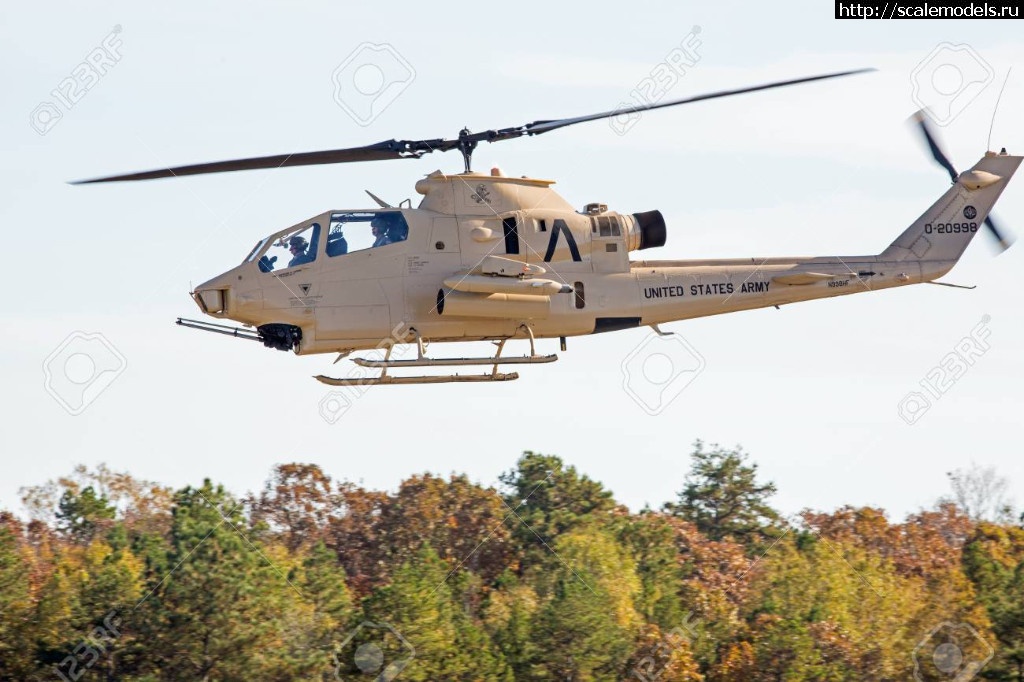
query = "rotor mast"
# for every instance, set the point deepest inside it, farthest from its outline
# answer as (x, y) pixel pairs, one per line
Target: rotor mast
(466, 146)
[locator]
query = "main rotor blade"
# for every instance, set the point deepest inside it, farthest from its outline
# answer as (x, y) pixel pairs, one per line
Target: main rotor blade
(538, 127)
(933, 145)
(1004, 239)
(414, 149)
(389, 149)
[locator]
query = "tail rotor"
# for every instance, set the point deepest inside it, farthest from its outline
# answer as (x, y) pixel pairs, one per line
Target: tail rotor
(1002, 237)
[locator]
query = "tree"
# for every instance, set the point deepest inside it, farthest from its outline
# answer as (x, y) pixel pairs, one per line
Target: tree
(651, 538)
(355, 535)
(981, 493)
(297, 502)
(508, 615)
(144, 506)
(213, 615)
(545, 498)
(663, 656)
(994, 561)
(717, 582)
(548, 580)
(311, 618)
(111, 588)
(16, 627)
(588, 624)
(416, 626)
(463, 521)
(825, 610)
(723, 498)
(928, 544)
(81, 514)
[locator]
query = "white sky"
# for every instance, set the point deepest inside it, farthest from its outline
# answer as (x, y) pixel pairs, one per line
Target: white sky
(810, 391)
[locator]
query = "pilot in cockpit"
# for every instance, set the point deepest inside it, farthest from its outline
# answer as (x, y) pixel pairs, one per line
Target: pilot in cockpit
(297, 246)
(379, 228)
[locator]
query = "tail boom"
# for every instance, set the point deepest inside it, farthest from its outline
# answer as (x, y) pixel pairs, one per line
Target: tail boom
(928, 249)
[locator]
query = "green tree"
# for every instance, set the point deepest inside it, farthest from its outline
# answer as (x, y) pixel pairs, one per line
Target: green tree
(994, 562)
(81, 514)
(109, 589)
(213, 615)
(723, 497)
(651, 539)
(415, 621)
(144, 506)
(545, 498)
(588, 624)
(15, 605)
(823, 610)
(325, 609)
(58, 622)
(508, 615)
(553, 581)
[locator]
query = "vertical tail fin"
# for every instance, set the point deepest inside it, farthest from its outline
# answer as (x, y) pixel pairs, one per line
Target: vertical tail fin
(943, 232)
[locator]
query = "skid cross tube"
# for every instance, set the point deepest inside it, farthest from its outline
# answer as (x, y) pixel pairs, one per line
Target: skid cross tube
(421, 360)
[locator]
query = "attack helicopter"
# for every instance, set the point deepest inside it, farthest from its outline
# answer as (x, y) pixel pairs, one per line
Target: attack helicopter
(487, 257)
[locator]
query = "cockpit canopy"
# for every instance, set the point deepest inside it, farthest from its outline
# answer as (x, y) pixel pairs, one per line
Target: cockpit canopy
(344, 232)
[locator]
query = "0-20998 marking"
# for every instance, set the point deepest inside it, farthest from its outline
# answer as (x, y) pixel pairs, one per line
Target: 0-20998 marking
(950, 228)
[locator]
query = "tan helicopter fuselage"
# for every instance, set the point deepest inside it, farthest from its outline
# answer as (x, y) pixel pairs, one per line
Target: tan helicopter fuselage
(490, 257)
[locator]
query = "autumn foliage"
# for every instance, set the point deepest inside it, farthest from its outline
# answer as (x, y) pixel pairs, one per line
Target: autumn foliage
(544, 578)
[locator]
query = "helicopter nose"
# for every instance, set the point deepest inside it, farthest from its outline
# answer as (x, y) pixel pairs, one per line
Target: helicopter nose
(211, 301)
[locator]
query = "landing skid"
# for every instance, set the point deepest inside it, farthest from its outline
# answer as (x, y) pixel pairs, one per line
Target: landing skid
(384, 379)
(421, 360)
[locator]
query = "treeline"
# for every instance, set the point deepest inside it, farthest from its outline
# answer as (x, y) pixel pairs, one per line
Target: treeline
(544, 578)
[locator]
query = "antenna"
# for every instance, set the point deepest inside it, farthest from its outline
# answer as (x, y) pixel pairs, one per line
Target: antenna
(996, 110)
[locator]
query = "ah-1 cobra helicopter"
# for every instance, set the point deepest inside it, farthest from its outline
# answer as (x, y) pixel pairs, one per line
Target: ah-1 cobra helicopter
(486, 257)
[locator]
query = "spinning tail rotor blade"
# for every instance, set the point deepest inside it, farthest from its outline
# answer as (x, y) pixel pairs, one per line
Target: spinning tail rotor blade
(933, 145)
(1002, 236)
